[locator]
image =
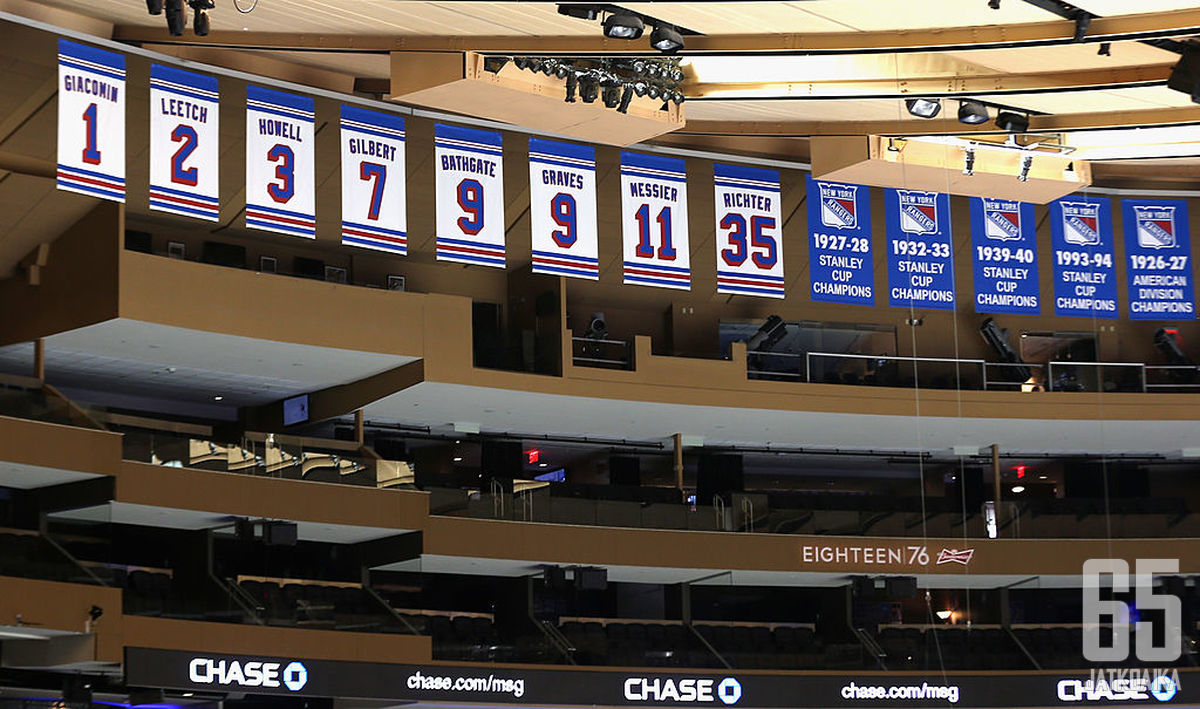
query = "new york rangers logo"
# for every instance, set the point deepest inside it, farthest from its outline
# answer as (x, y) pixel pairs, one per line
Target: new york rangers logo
(1081, 223)
(954, 556)
(1001, 219)
(918, 212)
(837, 205)
(1155, 227)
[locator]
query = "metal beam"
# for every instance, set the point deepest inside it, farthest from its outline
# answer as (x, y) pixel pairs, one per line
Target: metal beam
(1151, 25)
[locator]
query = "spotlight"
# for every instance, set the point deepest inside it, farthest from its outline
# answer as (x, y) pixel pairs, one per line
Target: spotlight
(522, 62)
(623, 26)
(572, 82)
(154, 7)
(666, 39)
(972, 113)
(652, 91)
(549, 67)
(582, 12)
(640, 88)
(200, 21)
(494, 64)
(562, 70)
(176, 19)
(994, 4)
(1185, 75)
(611, 95)
(1026, 163)
(588, 89)
(1018, 489)
(1105, 49)
(1012, 122)
(923, 107)
(892, 146)
(626, 98)
(677, 97)
(1083, 20)
(969, 162)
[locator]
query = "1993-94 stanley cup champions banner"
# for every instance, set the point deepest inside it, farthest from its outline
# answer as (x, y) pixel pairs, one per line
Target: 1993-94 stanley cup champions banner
(91, 121)
(1081, 238)
(184, 143)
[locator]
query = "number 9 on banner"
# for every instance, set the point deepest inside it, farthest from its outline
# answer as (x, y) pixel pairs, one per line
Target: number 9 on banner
(469, 195)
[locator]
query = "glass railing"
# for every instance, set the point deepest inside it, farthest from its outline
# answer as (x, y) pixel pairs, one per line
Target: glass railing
(29, 398)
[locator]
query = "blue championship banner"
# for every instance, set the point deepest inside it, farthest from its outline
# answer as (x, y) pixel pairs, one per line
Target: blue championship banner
(1081, 236)
(749, 243)
(1004, 241)
(840, 265)
(920, 254)
(280, 182)
(654, 221)
(562, 209)
(91, 121)
(374, 213)
(469, 177)
(1159, 254)
(184, 143)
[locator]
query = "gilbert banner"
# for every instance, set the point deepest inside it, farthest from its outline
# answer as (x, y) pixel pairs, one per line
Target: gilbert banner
(374, 214)
(749, 238)
(91, 121)
(1159, 251)
(1004, 251)
(562, 209)
(840, 265)
(184, 143)
(654, 221)
(469, 168)
(1081, 236)
(280, 186)
(920, 249)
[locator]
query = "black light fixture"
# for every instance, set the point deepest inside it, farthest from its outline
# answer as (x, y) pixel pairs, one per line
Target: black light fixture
(1012, 122)
(611, 95)
(626, 99)
(621, 26)
(677, 97)
(1083, 20)
(969, 162)
(994, 4)
(923, 107)
(572, 84)
(1185, 75)
(154, 7)
(1026, 163)
(494, 64)
(200, 21)
(582, 12)
(589, 88)
(972, 113)
(176, 18)
(666, 39)
(1105, 49)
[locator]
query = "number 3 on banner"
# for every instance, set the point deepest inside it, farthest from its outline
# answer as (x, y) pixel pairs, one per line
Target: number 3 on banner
(645, 249)
(378, 175)
(284, 172)
(470, 199)
(736, 224)
(91, 155)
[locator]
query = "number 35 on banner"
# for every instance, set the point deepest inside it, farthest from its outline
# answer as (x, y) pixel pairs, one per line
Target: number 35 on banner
(91, 121)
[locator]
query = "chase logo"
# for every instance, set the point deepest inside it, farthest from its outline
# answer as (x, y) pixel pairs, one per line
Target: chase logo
(1163, 688)
(295, 676)
(1155, 227)
(729, 691)
(837, 205)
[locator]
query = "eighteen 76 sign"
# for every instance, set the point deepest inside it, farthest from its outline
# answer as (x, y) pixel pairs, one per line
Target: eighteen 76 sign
(903, 555)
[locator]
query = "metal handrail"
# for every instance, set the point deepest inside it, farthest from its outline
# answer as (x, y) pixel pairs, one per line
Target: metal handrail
(719, 511)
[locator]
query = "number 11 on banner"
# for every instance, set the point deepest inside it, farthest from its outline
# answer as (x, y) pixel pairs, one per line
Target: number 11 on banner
(654, 221)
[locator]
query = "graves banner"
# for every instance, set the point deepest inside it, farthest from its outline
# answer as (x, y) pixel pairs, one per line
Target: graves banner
(920, 249)
(562, 209)
(374, 212)
(469, 167)
(1004, 251)
(1158, 250)
(184, 143)
(749, 240)
(840, 264)
(280, 186)
(654, 221)
(91, 121)
(1081, 237)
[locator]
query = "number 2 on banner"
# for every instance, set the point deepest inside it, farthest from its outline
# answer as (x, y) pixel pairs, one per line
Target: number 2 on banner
(91, 155)
(666, 252)
(285, 172)
(562, 211)
(470, 198)
(378, 175)
(187, 135)
(736, 224)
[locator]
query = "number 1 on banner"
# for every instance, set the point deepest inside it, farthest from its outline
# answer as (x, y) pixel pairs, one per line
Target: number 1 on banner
(378, 175)
(645, 249)
(91, 155)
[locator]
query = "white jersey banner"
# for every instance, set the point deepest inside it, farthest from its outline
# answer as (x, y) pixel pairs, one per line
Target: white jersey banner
(749, 242)
(374, 213)
(280, 186)
(184, 143)
(562, 208)
(91, 121)
(654, 221)
(469, 164)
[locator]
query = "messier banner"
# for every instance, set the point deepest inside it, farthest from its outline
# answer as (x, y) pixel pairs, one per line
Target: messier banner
(920, 249)
(91, 121)
(1158, 250)
(654, 221)
(1081, 237)
(562, 209)
(184, 143)
(280, 187)
(840, 264)
(1004, 251)
(749, 231)
(374, 213)
(469, 164)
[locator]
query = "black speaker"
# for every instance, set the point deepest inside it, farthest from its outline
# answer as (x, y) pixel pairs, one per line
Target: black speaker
(624, 470)
(555, 577)
(280, 534)
(591, 578)
(718, 474)
(900, 588)
(244, 529)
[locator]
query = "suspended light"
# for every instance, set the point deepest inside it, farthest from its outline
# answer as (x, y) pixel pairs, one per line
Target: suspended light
(589, 88)
(972, 113)
(1012, 122)
(572, 83)
(666, 39)
(969, 162)
(623, 26)
(626, 98)
(923, 107)
(1026, 163)
(611, 95)
(494, 64)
